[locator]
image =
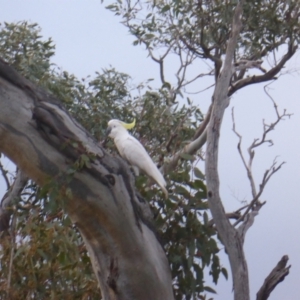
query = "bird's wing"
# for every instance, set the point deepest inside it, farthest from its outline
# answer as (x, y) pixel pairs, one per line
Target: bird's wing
(132, 150)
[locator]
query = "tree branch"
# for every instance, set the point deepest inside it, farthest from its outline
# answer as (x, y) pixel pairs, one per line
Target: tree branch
(10, 198)
(276, 276)
(227, 232)
(198, 142)
(267, 76)
(97, 189)
(4, 174)
(255, 204)
(190, 148)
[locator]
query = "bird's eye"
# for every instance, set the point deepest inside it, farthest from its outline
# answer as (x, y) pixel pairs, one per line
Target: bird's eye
(114, 126)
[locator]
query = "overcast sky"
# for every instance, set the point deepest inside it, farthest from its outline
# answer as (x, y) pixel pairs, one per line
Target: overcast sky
(89, 38)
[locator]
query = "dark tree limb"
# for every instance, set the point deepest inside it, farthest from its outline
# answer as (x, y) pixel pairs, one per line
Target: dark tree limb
(11, 198)
(276, 276)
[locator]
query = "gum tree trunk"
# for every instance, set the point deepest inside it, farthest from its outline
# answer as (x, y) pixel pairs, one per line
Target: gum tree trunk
(39, 136)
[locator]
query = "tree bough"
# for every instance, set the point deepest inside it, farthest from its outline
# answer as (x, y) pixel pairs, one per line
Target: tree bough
(41, 138)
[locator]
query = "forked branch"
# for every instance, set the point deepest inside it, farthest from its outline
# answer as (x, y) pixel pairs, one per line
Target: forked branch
(255, 204)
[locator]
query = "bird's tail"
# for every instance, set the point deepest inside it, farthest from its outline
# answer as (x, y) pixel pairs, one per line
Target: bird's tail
(165, 191)
(159, 179)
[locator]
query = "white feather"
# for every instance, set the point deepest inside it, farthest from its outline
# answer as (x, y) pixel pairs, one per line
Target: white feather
(133, 151)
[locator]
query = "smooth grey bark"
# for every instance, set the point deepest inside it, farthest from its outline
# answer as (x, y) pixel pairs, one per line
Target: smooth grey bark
(228, 234)
(40, 137)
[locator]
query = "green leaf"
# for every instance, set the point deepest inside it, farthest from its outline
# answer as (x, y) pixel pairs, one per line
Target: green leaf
(181, 190)
(209, 289)
(187, 156)
(165, 8)
(199, 174)
(225, 273)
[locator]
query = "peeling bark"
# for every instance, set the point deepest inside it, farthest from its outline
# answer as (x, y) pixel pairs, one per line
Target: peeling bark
(41, 138)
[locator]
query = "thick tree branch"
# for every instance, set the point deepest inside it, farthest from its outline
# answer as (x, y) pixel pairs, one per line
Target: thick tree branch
(276, 276)
(191, 148)
(97, 189)
(204, 123)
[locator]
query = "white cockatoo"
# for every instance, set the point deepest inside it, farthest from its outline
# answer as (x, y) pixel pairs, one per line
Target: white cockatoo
(133, 151)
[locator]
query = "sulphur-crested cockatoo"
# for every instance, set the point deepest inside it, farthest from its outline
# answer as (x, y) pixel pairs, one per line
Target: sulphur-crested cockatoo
(132, 151)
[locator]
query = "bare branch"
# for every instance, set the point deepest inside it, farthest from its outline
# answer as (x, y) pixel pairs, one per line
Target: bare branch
(233, 215)
(249, 218)
(251, 153)
(204, 123)
(190, 148)
(267, 76)
(199, 140)
(10, 198)
(276, 276)
(4, 174)
(201, 91)
(12, 250)
(255, 204)
(244, 64)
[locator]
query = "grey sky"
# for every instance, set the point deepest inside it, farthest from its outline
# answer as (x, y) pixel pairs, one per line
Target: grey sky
(89, 38)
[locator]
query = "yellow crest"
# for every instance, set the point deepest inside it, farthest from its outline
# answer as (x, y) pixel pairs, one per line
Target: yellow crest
(128, 126)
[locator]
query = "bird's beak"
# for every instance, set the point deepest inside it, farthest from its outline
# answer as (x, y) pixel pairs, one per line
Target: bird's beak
(107, 132)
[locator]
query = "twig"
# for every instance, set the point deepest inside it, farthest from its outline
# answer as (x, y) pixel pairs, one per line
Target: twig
(12, 250)
(251, 153)
(201, 91)
(4, 174)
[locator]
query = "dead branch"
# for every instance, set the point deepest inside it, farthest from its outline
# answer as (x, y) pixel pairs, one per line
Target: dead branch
(276, 276)
(255, 204)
